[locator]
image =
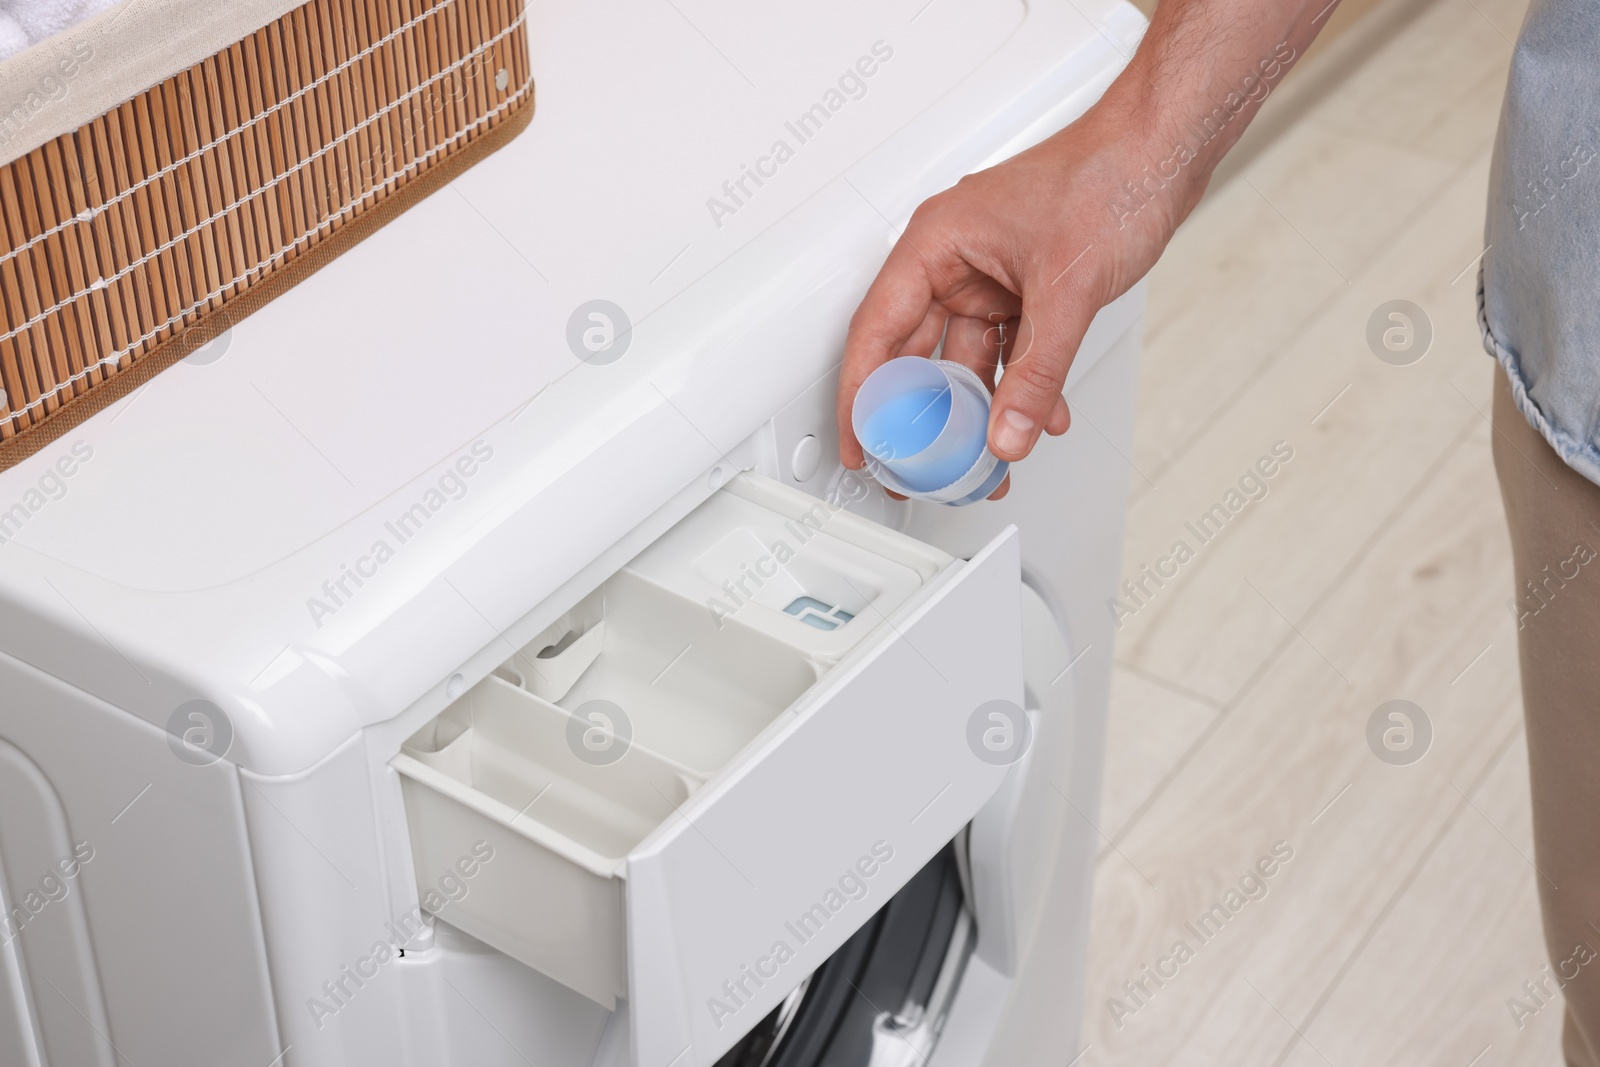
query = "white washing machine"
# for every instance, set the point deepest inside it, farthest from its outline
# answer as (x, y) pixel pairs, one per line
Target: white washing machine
(478, 656)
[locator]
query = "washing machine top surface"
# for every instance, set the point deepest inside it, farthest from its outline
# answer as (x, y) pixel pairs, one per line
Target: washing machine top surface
(638, 175)
(716, 182)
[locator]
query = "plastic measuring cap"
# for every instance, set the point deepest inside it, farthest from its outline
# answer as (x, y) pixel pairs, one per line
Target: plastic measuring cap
(924, 424)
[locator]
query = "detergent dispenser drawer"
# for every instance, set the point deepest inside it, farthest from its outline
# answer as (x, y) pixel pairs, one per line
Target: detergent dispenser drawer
(705, 776)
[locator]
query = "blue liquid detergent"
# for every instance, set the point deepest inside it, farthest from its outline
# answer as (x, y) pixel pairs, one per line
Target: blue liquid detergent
(907, 424)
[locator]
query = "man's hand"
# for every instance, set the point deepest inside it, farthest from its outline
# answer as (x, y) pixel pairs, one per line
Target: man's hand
(1014, 261)
(1010, 266)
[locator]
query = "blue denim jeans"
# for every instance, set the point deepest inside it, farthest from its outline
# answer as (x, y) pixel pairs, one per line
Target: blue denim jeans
(1539, 286)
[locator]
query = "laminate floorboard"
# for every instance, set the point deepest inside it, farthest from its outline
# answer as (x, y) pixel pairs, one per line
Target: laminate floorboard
(1374, 566)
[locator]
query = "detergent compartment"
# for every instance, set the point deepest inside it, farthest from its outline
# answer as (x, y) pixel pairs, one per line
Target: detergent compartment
(594, 744)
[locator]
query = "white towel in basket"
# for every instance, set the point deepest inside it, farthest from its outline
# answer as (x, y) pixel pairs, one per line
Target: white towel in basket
(13, 38)
(27, 22)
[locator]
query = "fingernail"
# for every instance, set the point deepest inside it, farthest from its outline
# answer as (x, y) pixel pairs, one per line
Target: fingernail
(1013, 431)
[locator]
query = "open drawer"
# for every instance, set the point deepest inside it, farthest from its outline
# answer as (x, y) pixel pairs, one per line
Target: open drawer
(711, 771)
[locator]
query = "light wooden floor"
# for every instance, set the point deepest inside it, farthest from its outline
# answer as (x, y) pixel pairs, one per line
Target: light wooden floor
(1377, 567)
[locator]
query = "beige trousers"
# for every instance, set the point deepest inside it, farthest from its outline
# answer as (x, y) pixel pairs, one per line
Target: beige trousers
(1554, 516)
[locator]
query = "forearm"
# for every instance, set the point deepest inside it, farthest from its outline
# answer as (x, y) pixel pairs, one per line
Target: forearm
(1198, 78)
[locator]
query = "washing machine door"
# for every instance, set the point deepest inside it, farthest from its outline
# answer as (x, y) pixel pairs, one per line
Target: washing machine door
(880, 999)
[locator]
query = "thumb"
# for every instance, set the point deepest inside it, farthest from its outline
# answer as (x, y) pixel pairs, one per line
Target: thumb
(1053, 324)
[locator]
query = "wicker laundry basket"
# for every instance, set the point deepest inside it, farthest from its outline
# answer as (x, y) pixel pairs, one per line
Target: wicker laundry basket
(134, 238)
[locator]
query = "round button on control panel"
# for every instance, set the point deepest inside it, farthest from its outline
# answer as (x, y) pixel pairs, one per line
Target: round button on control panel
(806, 458)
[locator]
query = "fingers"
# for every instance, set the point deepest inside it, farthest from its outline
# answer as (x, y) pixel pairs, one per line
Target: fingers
(895, 309)
(974, 343)
(1027, 400)
(1060, 419)
(925, 338)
